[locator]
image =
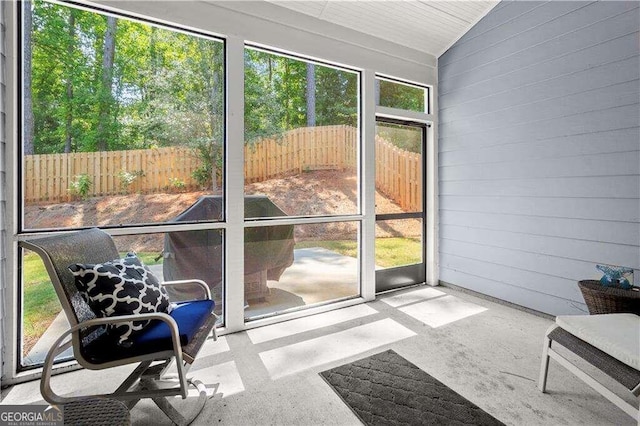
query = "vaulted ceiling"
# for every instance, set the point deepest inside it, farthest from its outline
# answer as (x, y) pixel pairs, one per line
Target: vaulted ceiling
(424, 25)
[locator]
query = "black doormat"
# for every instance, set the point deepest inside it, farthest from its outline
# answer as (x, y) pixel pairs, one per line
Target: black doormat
(386, 389)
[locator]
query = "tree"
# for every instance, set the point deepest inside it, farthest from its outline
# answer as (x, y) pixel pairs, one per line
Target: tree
(211, 73)
(69, 81)
(27, 80)
(311, 94)
(401, 96)
(336, 97)
(106, 98)
(100, 83)
(263, 109)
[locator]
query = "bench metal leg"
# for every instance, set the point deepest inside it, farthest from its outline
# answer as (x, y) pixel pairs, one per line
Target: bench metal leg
(602, 390)
(544, 367)
(549, 352)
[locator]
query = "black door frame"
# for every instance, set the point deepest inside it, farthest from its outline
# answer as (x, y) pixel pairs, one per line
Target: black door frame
(402, 276)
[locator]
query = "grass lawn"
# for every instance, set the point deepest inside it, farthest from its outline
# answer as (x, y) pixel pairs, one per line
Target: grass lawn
(41, 303)
(390, 252)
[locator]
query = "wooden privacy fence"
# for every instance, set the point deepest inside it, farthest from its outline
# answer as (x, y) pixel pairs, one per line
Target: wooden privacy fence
(48, 177)
(302, 149)
(399, 175)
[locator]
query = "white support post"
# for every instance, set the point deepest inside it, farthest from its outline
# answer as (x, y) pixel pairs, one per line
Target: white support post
(9, 293)
(431, 192)
(368, 185)
(234, 185)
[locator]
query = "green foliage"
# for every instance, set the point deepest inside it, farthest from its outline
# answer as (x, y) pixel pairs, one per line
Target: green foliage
(262, 112)
(397, 95)
(336, 97)
(210, 154)
(404, 137)
(80, 186)
(167, 89)
(167, 86)
(177, 184)
(127, 178)
(275, 95)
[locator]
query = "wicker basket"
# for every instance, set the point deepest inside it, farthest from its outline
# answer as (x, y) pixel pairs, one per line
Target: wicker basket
(609, 300)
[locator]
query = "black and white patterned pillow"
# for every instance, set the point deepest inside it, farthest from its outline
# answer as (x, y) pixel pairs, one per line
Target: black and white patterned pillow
(121, 287)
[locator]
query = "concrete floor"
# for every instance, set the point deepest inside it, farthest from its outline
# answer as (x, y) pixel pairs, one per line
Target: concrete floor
(487, 352)
(316, 275)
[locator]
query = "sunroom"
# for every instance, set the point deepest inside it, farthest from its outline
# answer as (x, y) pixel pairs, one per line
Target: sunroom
(346, 177)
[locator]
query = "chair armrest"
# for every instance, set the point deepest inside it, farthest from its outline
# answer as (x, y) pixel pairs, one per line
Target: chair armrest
(178, 283)
(60, 345)
(173, 326)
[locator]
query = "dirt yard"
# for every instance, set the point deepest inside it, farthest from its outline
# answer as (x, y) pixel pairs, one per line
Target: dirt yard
(306, 194)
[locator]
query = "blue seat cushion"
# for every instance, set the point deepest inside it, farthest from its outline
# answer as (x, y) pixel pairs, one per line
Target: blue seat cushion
(155, 337)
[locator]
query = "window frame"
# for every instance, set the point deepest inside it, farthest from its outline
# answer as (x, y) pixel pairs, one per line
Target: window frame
(133, 227)
(356, 217)
(428, 89)
(21, 232)
(358, 73)
(237, 26)
(430, 178)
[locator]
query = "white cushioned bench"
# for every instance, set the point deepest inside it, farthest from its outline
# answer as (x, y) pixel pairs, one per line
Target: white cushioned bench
(610, 342)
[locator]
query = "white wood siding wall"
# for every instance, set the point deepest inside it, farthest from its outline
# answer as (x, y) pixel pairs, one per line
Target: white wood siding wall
(3, 175)
(540, 151)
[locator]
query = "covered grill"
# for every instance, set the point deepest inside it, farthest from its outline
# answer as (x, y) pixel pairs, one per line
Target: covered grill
(268, 250)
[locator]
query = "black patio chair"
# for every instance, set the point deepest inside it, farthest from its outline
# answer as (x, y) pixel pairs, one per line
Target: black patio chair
(177, 336)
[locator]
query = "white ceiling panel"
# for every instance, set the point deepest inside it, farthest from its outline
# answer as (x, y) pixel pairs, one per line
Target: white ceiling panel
(312, 8)
(425, 25)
